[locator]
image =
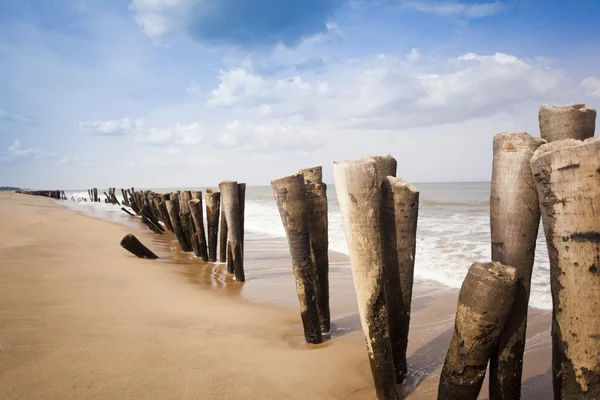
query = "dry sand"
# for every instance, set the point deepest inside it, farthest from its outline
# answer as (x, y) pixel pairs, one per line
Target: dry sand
(82, 319)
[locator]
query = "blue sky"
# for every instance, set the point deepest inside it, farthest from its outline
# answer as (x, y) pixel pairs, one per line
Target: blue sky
(163, 93)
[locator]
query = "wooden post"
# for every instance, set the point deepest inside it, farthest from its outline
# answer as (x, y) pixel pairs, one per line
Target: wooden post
(566, 174)
(400, 207)
(164, 214)
(291, 201)
(514, 222)
(127, 211)
(134, 246)
(231, 204)
(146, 212)
(484, 303)
(173, 209)
(223, 233)
(184, 197)
(213, 202)
(195, 206)
(316, 203)
(359, 197)
(576, 121)
(242, 194)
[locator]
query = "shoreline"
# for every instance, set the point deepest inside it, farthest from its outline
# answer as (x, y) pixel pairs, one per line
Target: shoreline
(270, 289)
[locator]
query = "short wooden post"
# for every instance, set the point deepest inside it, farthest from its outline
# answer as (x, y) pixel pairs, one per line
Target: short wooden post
(134, 246)
(213, 202)
(576, 121)
(514, 222)
(195, 206)
(318, 225)
(484, 303)
(359, 197)
(231, 204)
(173, 209)
(291, 201)
(567, 174)
(400, 207)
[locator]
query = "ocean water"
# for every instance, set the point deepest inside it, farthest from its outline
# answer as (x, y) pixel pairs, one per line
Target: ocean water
(452, 230)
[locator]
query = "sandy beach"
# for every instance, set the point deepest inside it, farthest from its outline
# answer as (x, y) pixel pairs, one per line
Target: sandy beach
(80, 318)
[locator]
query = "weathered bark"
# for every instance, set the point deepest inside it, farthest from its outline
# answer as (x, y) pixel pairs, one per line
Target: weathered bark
(242, 200)
(576, 121)
(514, 223)
(195, 206)
(173, 209)
(316, 203)
(399, 229)
(187, 226)
(566, 174)
(151, 225)
(164, 214)
(359, 197)
(184, 197)
(213, 202)
(127, 211)
(291, 201)
(134, 246)
(231, 204)
(147, 212)
(484, 303)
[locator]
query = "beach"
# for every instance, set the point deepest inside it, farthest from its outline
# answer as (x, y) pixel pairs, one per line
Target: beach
(80, 318)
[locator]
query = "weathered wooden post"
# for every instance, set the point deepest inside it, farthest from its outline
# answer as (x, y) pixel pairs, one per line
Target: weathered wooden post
(318, 225)
(173, 209)
(127, 211)
(576, 121)
(359, 197)
(213, 202)
(291, 201)
(223, 234)
(164, 214)
(484, 303)
(242, 197)
(514, 223)
(134, 246)
(400, 207)
(231, 204)
(195, 206)
(566, 175)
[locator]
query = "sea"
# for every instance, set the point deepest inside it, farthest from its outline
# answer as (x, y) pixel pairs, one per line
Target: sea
(453, 229)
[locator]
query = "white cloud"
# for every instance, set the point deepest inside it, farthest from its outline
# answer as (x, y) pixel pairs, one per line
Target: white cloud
(117, 127)
(194, 88)
(4, 115)
(455, 8)
(75, 160)
(183, 135)
(591, 86)
(414, 55)
(15, 150)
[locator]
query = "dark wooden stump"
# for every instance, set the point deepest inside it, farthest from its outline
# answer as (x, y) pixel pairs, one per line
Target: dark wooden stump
(195, 206)
(213, 206)
(173, 209)
(231, 204)
(134, 246)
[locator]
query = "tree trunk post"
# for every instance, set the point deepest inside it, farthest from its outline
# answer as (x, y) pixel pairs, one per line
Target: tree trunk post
(242, 194)
(399, 229)
(359, 196)
(576, 121)
(164, 214)
(213, 202)
(231, 204)
(484, 304)
(223, 232)
(195, 206)
(566, 175)
(173, 209)
(134, 246)
(514, 223)
(290, 196)
(316, 204)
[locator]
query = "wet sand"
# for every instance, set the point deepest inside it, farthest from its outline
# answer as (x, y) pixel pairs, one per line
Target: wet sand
(80, 318)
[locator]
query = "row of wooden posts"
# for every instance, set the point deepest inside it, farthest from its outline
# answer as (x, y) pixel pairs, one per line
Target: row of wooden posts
(53, 194)
(555, 178)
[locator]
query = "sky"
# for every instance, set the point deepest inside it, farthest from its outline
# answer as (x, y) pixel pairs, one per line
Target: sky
(187, 93)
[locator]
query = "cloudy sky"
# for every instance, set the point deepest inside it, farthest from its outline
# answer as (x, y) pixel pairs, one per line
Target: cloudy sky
(163, 93)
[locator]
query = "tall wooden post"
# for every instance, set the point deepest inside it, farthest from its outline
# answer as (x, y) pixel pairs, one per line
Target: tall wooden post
(359, 197)
(223, 234)
(230, 202)
(400, 207)
(576, 121)
(291, 201)
(484, 303)
(567, 174)
(514, 222)
(164, 214)
(173, 209)
(213, 202)
(316, 202)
